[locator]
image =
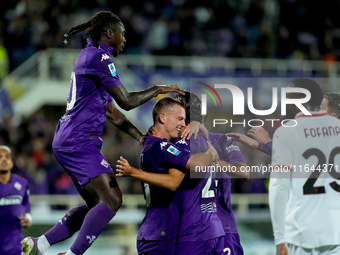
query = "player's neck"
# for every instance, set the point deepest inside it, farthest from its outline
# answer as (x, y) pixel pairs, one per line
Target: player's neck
(160, 132)
(5, 176)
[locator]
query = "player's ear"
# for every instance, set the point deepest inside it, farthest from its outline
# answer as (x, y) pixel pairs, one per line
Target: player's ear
(162, 117)
(109, 33)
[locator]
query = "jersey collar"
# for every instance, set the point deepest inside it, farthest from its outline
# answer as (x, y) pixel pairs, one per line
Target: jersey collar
(108, 49)
(314, 114)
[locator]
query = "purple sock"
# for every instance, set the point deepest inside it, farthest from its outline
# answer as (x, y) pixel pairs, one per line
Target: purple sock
(68, 225)
(94, 223)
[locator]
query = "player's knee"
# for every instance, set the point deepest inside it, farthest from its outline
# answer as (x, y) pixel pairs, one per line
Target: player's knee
(115, 202)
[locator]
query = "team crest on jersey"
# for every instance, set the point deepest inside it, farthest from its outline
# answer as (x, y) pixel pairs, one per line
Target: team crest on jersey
(104, 163)
(18, 186)
(112, 69)
(173, 150)
(163, 144)
(104, 57)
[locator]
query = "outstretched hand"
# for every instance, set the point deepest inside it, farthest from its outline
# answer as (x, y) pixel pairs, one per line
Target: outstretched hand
(164, 89)
(213, 152)
(123, 167)
(259, 134)
(192, 129)
(245, 140)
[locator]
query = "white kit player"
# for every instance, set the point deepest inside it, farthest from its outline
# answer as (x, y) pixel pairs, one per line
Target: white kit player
(304, 189)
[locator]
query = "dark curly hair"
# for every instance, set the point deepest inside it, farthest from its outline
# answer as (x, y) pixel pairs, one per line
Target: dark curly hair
(192, 106)
(99, 23)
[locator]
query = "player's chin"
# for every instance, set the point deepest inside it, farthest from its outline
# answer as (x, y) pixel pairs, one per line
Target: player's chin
(114, 54)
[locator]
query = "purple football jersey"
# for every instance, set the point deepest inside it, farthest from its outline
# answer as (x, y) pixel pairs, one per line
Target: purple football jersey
(198, 219)
(85, 116)
(162, 216)
(13, 203)
(227, 151)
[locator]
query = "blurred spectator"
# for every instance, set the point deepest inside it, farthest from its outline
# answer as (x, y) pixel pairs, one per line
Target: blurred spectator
(4, 61)
(304, 29)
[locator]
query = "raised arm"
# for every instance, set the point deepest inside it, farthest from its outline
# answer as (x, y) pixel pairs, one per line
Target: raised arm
(202, 158)
(173, 178)
(170, 181)
(129, 100)
(259, 134)
(235, 170)
(246, 140)
(118, 119)
(192, 129)
(243, 139)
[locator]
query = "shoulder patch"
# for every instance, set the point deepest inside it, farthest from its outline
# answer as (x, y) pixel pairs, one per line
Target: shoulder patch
(112, 69)
(173, 150)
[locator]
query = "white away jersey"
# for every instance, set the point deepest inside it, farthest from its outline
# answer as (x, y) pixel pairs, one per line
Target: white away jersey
(305, 206)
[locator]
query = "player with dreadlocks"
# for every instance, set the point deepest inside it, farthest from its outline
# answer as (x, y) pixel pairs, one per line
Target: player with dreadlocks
(76, 145)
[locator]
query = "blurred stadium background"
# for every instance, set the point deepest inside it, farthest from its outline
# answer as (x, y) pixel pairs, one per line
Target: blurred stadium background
(168, 42)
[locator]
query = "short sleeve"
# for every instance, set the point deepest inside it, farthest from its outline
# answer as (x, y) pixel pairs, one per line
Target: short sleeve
(102, 66)
(25, 202)
(282, 153)
(173, 156)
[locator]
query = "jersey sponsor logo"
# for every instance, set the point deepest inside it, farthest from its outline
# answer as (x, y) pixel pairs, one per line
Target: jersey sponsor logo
(163, 144)
(181, 142)
(232, 148)
(112, 69)
(104, 57)
(173, 150)
(91, 238)
(11, 200)
(104, 163)
(209, 207)
(18, 186)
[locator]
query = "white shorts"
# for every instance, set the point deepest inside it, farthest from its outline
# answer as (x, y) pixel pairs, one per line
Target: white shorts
(323, 250)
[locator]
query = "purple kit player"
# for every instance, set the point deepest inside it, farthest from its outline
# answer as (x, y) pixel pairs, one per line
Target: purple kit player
(228, 151)
(14, 205)
(162, 164)
(76, 145)
(199, 229)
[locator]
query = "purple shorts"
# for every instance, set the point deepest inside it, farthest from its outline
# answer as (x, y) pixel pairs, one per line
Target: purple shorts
(231, 244)
(200, 247)
(84, 163)
(145, 247)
